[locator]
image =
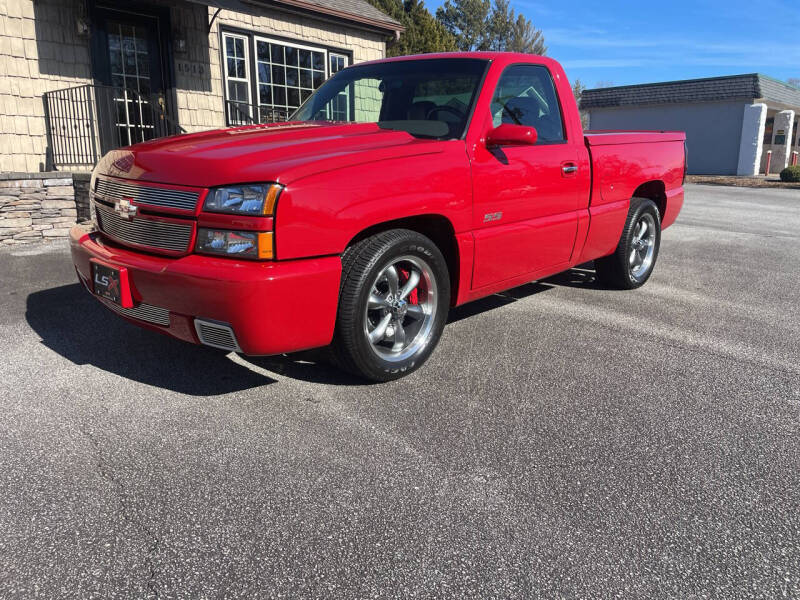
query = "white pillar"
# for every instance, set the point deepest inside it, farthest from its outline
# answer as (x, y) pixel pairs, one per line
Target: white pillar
(784, 121)
(753, 122)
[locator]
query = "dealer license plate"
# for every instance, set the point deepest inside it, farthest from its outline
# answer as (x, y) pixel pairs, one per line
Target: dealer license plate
(107, 282)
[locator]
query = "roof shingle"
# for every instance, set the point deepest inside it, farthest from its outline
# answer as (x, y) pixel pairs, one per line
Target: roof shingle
(746, 87)
(356, 7)
(359, 11)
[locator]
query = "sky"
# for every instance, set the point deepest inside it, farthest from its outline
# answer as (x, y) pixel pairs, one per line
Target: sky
(620, 43)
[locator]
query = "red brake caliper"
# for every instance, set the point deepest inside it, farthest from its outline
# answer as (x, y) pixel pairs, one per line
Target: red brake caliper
(412, 297)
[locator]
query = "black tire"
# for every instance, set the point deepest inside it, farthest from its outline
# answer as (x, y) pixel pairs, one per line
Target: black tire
(363, 264)
(617, 270)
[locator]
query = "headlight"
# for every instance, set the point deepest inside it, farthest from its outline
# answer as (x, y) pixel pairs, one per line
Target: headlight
(248, 199)
(244, 244)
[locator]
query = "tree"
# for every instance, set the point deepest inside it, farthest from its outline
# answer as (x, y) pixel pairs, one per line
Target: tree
(423, 33)
(577, 91)
(795, 81)
(509, 32)
(477, 25)
(467, 21)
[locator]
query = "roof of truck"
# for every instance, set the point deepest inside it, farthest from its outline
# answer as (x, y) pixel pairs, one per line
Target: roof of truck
(508, 57)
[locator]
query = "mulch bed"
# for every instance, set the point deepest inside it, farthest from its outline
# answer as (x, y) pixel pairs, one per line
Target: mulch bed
(757, 182)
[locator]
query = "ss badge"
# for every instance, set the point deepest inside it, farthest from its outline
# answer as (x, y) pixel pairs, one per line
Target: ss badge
(488, 217)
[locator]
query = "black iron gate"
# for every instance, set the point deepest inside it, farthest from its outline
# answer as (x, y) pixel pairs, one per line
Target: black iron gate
(86, 121)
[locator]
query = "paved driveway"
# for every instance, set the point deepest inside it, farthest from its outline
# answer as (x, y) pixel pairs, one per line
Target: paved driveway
(564, 441)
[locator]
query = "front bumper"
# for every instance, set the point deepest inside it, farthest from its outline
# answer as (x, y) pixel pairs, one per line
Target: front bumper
(271, 307)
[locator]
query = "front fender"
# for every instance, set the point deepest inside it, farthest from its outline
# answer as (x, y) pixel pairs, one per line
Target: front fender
(320, 214)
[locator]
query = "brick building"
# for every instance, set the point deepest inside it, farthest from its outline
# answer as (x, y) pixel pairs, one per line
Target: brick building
(732, 124)
(81, 77)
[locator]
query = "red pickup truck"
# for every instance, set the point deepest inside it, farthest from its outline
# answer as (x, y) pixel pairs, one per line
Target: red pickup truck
(400, 188)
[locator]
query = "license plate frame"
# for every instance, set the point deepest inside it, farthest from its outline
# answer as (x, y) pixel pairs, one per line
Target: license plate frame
(111, 283)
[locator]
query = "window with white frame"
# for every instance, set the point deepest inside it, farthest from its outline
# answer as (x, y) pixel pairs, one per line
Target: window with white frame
(237, 78)
(130, 70)
(337, 62)
(285, 75)
(339, 106)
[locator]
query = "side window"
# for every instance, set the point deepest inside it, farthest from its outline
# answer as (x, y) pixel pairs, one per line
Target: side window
(525, 95)
(768, 131)
(286, 75)
(337, 62)
(237, 79)
(339, 109)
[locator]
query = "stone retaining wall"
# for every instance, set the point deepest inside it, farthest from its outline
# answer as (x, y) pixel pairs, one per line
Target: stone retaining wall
(37, 206)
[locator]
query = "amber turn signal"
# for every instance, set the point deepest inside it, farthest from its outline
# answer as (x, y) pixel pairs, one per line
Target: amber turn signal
(266, 248)
(271, 198)
(236, 244)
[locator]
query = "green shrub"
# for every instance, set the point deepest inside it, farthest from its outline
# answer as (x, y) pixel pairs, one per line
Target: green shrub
(791, 174)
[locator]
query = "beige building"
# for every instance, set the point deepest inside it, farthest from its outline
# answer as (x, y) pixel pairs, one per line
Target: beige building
(80, 77)
(735, 125)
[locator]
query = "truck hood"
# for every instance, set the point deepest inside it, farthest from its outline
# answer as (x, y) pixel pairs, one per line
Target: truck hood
(276, 152)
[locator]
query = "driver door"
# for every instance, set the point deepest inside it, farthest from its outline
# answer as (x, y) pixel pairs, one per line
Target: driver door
(526, 198)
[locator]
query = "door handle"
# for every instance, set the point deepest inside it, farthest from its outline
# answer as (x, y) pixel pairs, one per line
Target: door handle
(569, 168)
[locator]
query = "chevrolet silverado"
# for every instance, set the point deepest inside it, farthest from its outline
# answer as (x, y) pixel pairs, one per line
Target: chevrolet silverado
(400, 188)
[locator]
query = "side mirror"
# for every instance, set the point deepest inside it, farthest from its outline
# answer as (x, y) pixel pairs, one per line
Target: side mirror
(508, 134)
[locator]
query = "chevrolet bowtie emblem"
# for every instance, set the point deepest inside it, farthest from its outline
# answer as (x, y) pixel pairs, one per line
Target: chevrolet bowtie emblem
(125, 209)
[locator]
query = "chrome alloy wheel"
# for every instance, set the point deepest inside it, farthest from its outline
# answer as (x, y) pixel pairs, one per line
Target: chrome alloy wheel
(643, 246)
(401, 309)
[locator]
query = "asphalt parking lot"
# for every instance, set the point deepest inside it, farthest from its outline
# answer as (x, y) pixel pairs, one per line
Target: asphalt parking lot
(564, 441)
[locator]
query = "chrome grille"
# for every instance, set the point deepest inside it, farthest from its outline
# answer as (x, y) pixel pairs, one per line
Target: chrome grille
(161, 235)
(143, 312)
(216, 335)
(112, 191)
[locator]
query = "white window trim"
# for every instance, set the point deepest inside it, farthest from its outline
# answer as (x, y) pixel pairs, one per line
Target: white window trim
(251, 63)
(269, 40)
(237, 79)
(346, 58)
(338, 55)
(259, 38)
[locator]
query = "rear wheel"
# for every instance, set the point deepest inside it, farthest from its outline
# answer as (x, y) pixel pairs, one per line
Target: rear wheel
(393, 304)
(632, 262)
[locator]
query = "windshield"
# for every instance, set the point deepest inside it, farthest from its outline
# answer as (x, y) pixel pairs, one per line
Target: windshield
(429, 98)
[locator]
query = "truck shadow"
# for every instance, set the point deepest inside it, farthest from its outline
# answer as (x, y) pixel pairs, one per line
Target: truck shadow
(73, 324)
(582, 276)
(314, 365)
(494, 301)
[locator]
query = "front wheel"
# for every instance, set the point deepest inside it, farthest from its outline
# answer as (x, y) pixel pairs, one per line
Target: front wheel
(632, 262)
(393, 304)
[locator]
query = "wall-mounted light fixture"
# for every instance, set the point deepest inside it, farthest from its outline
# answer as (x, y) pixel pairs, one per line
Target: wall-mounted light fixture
(82, 25)
(178, 42)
